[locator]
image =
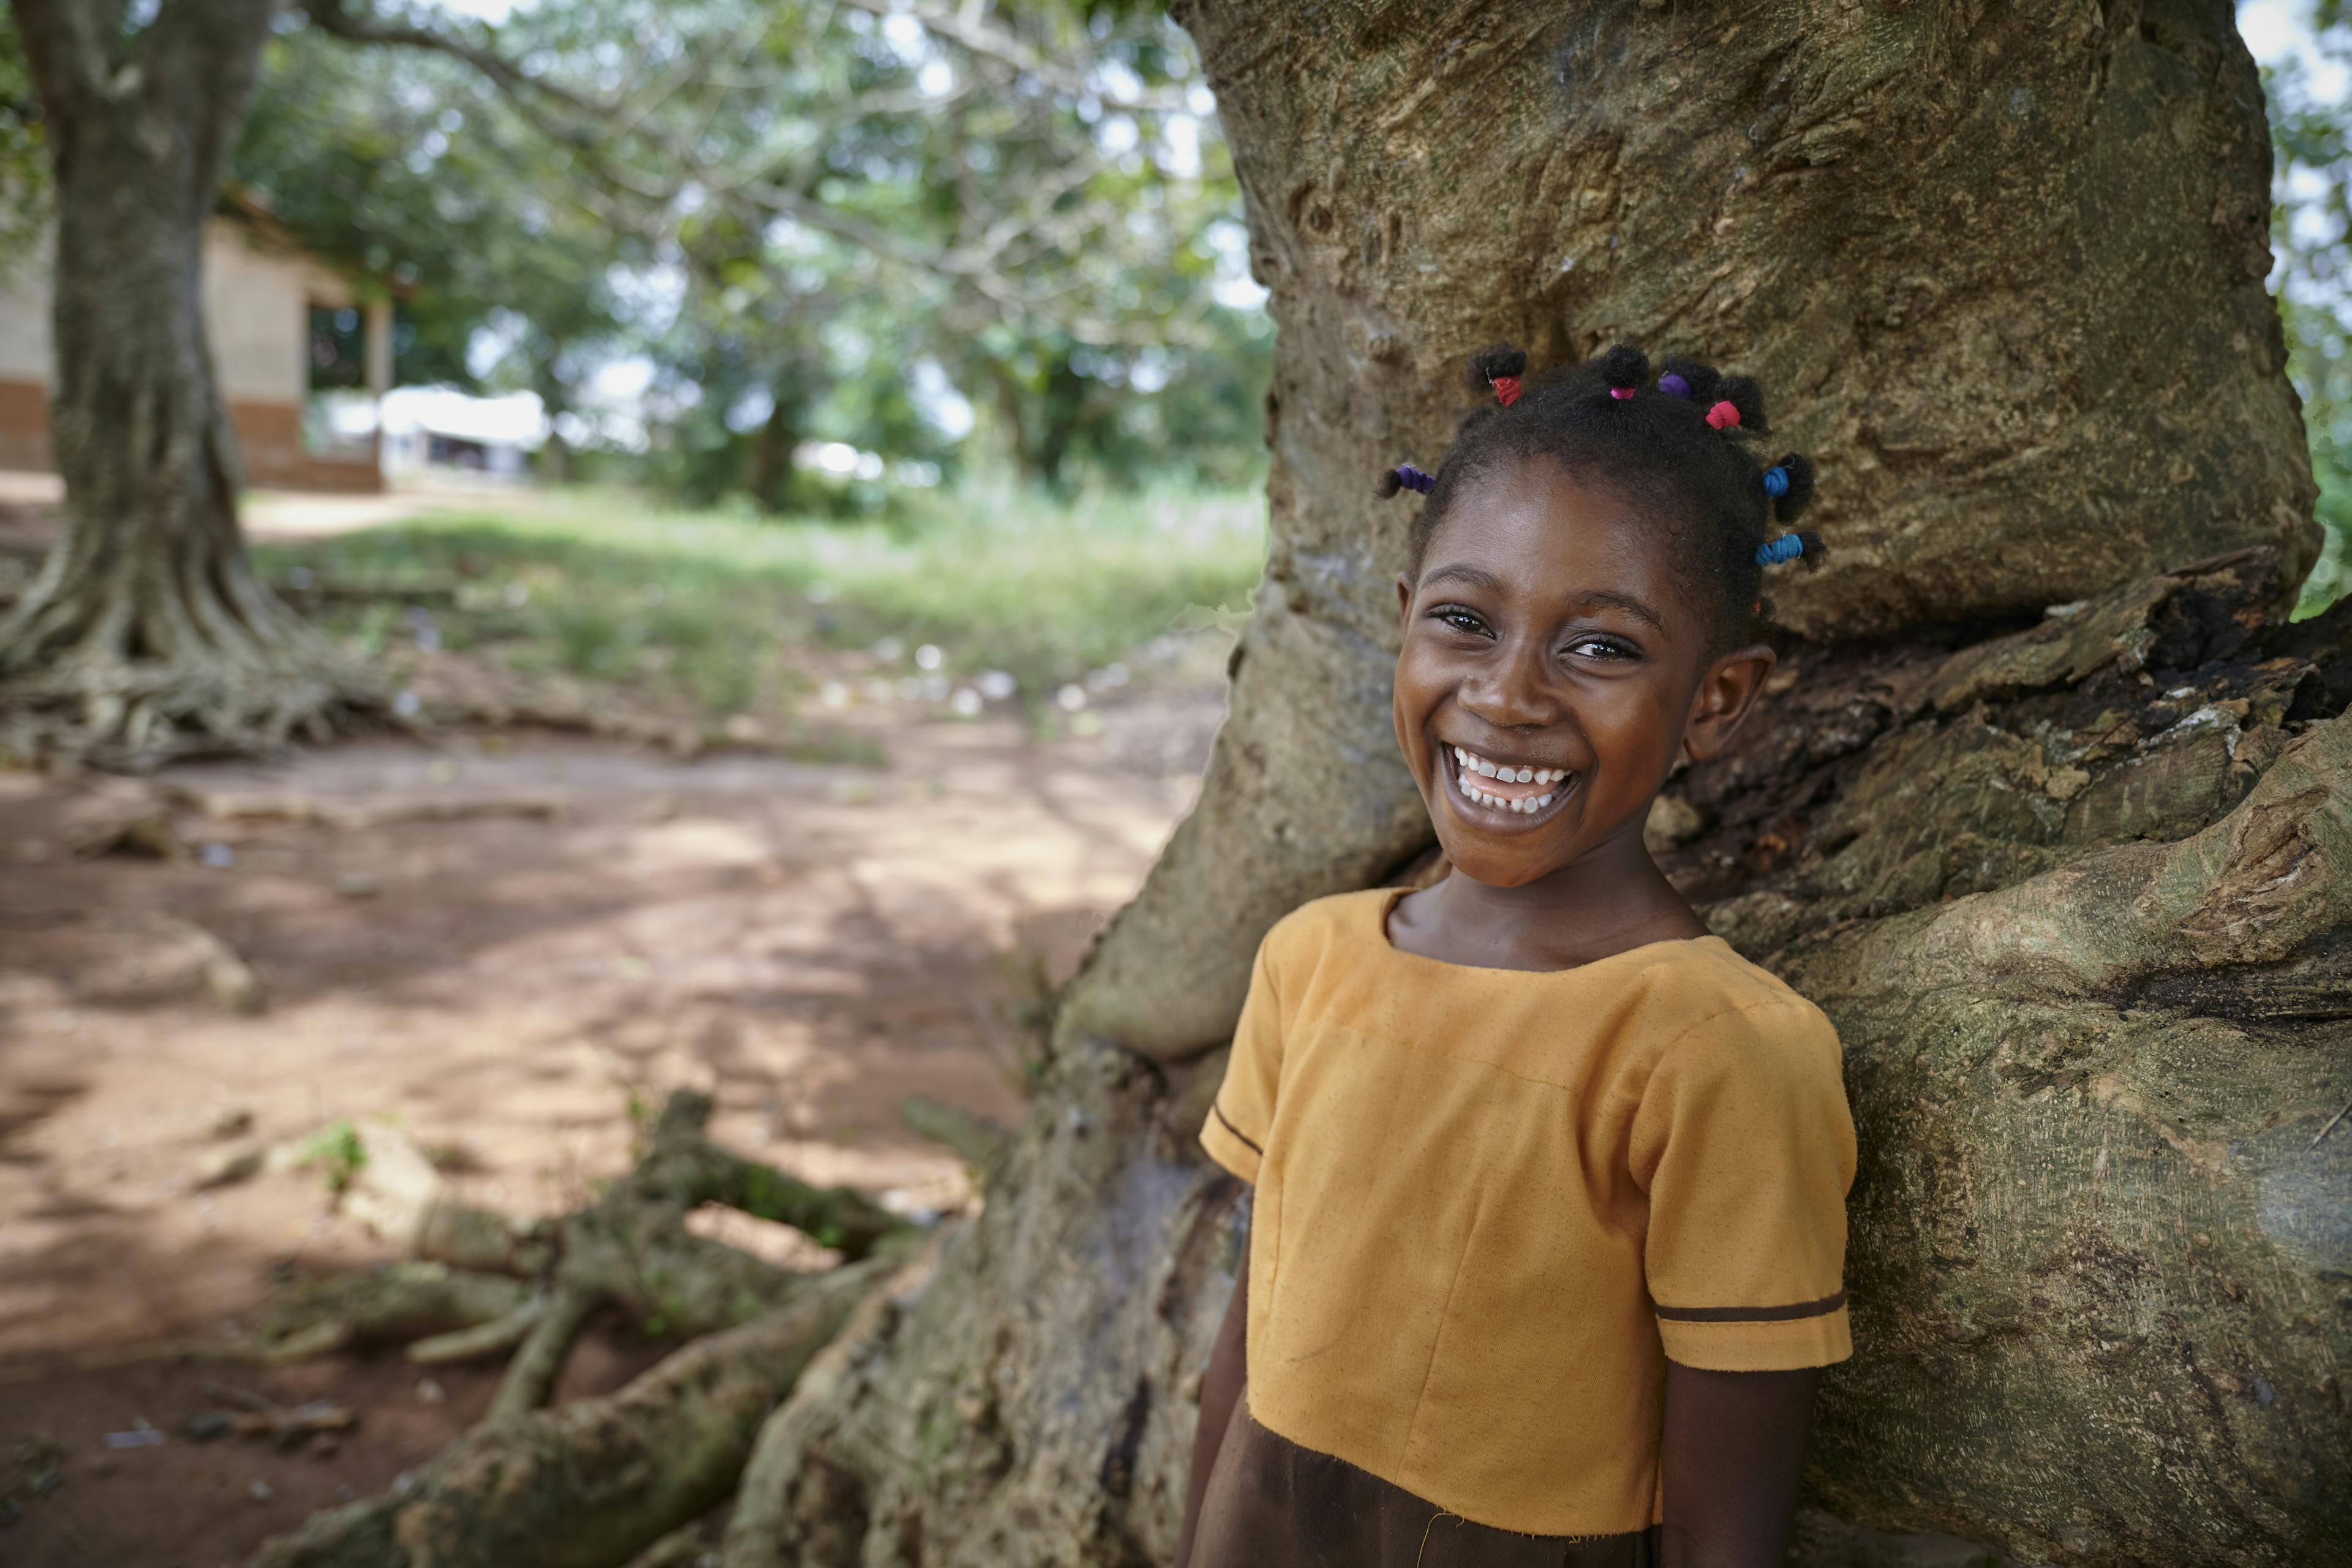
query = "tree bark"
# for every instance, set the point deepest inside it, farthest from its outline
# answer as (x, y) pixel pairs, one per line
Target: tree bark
(2074, 887)
(146, 632)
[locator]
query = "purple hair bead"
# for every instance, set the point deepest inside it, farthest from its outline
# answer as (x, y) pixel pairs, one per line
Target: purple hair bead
(1413, 479)
(1673, 385)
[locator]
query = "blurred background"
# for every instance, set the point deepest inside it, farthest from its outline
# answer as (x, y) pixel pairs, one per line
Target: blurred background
(940, 349)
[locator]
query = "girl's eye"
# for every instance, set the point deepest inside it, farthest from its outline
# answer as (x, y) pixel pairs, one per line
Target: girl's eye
(1603, 649)
(1461, 620)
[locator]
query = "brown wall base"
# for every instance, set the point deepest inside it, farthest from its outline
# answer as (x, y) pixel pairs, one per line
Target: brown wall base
(269, 433)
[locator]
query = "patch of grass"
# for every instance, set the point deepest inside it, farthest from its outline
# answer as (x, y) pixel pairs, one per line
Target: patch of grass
(722, 610)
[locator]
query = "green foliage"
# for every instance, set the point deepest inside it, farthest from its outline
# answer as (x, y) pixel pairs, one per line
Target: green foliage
(720, 610)
(818, 226)
(411, 174)
(25, 184)
(2311, 232)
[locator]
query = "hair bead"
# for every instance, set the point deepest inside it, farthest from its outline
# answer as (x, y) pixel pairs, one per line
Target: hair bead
(1788, 502)
(1498, 368)
(1591, 412)
(1623, 368)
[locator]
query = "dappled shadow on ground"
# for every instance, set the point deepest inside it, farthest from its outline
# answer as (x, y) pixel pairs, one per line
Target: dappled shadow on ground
(198, 1504)
(810, 944)
(579, 931)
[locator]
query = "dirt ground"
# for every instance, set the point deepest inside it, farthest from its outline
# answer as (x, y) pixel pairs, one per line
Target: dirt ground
(501, 943)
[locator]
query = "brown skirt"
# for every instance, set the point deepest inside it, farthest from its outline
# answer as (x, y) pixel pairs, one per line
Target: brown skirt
(1273, 1504)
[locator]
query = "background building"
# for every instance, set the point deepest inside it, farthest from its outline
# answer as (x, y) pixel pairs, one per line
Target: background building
(259, 291)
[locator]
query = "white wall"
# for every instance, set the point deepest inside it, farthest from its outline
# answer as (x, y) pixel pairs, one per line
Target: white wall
(256, 310)
(25, 319)
(258, 313)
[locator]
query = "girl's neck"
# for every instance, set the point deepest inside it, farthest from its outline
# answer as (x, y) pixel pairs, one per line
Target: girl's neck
(1610, 900)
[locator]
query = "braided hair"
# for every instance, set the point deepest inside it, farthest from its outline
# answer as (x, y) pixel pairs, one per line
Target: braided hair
(1684, 444)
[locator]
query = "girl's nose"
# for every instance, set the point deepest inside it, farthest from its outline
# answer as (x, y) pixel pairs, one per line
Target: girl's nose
(1512, 692)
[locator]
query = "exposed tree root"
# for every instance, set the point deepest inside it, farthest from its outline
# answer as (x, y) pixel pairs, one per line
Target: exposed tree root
(103, 710)
(630, 1249)
(769, 1524)
(598, 1481)
(396, 1305)
(591, 1484)
(531, 1376)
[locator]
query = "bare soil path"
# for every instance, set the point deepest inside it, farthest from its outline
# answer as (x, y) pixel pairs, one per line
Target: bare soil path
(574, 929)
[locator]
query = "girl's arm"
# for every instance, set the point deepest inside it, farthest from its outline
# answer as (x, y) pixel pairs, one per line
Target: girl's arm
(1221, 1389)
(1734, 1441)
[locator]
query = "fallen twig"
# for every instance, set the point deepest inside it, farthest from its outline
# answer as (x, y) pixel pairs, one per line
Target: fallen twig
(376, 811)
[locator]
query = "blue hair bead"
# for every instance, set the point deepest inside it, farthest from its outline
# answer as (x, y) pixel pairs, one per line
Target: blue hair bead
(1413, 479)
(1776, 482)
(1773, 552)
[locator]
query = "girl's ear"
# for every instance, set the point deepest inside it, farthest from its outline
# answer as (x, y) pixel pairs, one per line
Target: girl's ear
(1725, 693)
(1404, 597)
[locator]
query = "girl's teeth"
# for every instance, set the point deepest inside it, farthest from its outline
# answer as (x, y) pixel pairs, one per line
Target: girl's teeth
(1471, 762)
(1473, 766)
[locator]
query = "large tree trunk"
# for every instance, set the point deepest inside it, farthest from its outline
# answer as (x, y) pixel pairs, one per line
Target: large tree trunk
(2076, 892)
(146, 632)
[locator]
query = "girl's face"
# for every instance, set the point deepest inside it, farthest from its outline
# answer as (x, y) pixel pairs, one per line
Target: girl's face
(1554, 665)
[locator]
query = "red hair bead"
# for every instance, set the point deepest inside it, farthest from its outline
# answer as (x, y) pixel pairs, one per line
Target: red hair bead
(1506, 387)
(1723, 416)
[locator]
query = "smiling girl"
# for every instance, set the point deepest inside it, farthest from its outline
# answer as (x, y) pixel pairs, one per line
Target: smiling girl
(1549, 1224)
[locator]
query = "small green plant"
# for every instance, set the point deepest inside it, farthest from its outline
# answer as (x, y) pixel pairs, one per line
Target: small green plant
(338, 1149)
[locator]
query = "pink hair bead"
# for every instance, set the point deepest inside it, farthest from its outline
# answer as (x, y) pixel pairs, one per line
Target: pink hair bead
(1620, 393)
(1723, 416)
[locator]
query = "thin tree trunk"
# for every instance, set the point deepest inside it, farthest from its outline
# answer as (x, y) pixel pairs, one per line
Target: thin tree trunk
(146, 631)
(2074, 893)
(767, 474)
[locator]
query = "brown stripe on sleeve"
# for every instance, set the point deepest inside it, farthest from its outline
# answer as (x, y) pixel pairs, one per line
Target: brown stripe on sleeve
(1821, 1309)
(1218, 1112)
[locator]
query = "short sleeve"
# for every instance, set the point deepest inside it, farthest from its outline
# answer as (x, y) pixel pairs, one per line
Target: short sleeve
(1745, 1147)
(1242, 1114)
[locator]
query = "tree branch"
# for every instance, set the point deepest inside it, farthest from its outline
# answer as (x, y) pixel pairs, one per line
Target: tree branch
(63, 45)
(965, 28)
(334, 17)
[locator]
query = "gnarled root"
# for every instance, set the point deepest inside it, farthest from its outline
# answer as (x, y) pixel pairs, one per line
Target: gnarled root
(599, 1480)
(395, 1305)
(95, 706)
(630, 1249)
(763, 1529)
